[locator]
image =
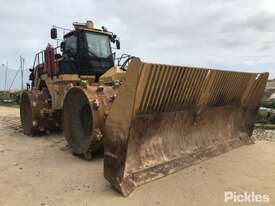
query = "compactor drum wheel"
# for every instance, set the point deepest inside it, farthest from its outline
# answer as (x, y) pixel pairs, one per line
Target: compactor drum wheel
(26, 115)
(78, 124)
(34, 115)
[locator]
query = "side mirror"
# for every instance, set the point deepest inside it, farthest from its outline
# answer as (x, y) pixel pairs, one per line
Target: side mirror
(62, 46)
(117, 44)
(54, 33)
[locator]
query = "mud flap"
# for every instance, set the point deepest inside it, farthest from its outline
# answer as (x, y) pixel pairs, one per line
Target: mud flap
(166, 118)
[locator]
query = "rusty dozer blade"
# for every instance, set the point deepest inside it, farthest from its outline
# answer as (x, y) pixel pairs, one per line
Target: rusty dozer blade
(166, 118)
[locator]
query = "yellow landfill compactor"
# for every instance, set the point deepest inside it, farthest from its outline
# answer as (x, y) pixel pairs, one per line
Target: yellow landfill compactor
(151, 119)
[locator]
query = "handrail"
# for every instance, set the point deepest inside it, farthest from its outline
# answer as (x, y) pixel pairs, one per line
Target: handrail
(41, 53)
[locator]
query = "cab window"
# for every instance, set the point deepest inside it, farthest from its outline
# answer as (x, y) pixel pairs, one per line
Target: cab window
(71, 44)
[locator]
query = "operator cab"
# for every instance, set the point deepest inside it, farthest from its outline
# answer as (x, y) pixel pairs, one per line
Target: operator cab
(86, 50)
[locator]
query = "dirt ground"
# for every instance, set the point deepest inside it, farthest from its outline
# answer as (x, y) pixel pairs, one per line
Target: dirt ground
(41, 171)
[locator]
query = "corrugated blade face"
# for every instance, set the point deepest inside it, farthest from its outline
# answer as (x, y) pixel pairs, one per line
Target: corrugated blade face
(166, 118)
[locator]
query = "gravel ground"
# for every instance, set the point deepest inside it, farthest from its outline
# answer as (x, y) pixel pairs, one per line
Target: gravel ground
(264, 135)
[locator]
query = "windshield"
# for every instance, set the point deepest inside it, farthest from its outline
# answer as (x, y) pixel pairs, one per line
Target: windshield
(98, 44)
